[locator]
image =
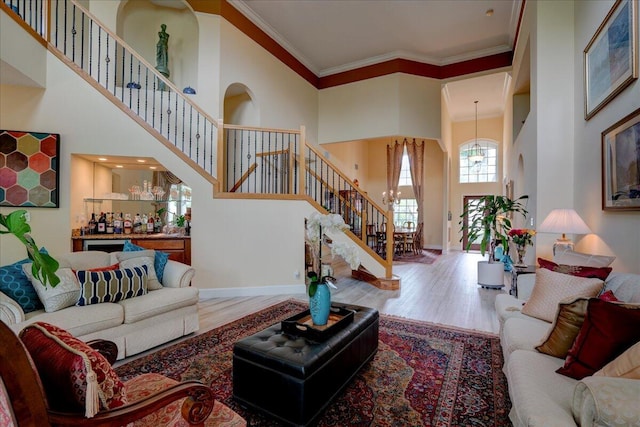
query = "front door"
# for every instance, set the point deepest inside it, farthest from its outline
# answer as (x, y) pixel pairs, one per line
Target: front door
(472, 201)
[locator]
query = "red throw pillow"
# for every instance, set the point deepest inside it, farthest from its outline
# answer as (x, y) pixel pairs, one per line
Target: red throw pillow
(115, 266)
(576, 270)
(608, 330)
(608, 296)
(69, 370)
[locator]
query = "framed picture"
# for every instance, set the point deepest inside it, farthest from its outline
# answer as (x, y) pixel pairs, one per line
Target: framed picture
(29, 171)
(621, 164)
(611, 57)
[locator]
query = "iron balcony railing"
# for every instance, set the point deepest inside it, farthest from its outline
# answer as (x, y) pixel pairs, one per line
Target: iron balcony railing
(120, 73)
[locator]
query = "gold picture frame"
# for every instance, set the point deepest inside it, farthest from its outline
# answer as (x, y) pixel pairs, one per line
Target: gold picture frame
(611, 57)
(621, 165)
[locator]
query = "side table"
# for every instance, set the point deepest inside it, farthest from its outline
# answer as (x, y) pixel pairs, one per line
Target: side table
(517, 271)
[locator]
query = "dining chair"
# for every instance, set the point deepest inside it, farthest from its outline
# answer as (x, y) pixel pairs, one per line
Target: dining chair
(372, 236)
(381, 239)
(416, 239)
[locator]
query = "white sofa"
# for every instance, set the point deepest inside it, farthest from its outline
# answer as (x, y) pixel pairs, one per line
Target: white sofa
(134, 325)
(542, 397)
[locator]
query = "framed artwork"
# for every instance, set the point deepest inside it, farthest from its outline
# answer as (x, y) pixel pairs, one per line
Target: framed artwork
(621, 164)
(611, 57)
(29, 164)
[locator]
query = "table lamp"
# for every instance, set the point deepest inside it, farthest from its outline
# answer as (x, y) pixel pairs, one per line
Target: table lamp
(564, 221)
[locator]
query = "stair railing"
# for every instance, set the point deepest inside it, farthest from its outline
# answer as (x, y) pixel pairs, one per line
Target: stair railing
(273, 156)
(120, 73)
(261, 162)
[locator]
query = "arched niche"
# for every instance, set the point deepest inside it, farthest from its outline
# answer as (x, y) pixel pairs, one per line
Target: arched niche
(138, 24)
(239, 106)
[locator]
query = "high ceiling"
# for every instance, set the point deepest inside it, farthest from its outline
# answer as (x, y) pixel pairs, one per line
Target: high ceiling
(331, 36)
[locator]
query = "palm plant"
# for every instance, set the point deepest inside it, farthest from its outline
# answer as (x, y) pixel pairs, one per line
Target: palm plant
(44, 266)
(489, 221)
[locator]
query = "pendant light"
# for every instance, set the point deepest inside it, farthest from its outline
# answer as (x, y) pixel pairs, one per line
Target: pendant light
(476, 154)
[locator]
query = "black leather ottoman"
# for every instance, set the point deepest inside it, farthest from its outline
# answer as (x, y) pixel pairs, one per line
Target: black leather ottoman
(294, 379)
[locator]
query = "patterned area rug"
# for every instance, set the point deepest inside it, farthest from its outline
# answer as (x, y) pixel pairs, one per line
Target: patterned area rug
(427, 256)
(422, 375)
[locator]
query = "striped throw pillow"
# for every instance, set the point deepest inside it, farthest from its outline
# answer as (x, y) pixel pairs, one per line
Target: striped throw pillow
(111, 286)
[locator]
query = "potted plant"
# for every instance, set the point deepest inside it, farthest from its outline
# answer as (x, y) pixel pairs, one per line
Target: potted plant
(490, 221)
(44, 267)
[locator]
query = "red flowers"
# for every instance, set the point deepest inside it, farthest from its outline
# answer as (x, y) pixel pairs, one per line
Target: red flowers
(522, 236)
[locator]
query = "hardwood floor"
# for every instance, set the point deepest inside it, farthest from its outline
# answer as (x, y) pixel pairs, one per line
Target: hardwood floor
(443, 292)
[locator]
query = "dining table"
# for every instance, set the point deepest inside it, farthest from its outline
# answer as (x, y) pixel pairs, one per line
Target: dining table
(400, 237)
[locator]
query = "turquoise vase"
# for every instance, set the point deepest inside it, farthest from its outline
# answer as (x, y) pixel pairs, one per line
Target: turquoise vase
(320, 305)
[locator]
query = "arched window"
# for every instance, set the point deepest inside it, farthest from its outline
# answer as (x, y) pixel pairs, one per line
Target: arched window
(474, 170)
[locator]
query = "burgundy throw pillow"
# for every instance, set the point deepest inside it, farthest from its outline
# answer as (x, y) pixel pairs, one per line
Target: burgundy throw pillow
(608, 296)
(576, 270)
(72, 372)
(608, 330)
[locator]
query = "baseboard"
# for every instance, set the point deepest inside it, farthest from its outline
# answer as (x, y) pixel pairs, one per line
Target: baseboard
(433, 247)
(252, 291)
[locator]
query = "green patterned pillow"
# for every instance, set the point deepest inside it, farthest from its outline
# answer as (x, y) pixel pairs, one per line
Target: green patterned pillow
(111, 286)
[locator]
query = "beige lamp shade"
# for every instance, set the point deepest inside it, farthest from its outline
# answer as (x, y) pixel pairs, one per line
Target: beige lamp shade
(563, 221)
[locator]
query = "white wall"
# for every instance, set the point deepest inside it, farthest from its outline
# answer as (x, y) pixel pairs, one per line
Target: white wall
(614, 233)
(30, 69)
(396, 104)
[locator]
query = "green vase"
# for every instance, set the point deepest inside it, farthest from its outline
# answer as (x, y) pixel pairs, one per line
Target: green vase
(320, 305)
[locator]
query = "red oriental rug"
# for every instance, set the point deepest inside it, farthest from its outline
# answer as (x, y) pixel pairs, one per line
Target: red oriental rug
(422, 375)
(426, 256)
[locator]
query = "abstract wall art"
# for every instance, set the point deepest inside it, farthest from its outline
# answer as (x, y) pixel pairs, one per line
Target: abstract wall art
(29, 163)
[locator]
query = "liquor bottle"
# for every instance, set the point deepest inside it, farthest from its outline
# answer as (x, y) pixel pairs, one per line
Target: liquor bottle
(110, 227)
(145, 220)
(137, 223)
(117, 224)
(128, 224)
(102, 223)
(150, 223)
(93, 224)
(157, 225)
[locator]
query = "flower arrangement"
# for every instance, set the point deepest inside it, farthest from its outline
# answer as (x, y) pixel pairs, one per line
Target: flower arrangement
(317, 225)
(522, 236)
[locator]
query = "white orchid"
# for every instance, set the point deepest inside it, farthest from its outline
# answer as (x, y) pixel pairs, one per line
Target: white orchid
(319, 224)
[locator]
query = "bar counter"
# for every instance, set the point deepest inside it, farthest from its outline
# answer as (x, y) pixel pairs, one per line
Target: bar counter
(177, 246)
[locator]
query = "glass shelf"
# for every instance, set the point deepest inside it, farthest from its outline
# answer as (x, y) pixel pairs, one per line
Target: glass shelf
(87, 199)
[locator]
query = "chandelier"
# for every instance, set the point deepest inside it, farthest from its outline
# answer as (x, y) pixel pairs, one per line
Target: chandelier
(475, 153)
(391, 198)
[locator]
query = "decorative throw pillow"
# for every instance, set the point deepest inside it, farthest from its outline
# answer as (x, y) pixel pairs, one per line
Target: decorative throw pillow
(571, 257)
(608, 330)
(111, 286)
(138, 259)
(627, 365)
(576, 270)
(74, 376)
(17, 286)
(115, 266)
(608, 296)
(159, 262)
(551, 288)
(565, 328)
(64, 295)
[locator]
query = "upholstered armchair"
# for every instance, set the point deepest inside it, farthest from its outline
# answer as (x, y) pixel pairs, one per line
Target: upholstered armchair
(51, 378)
